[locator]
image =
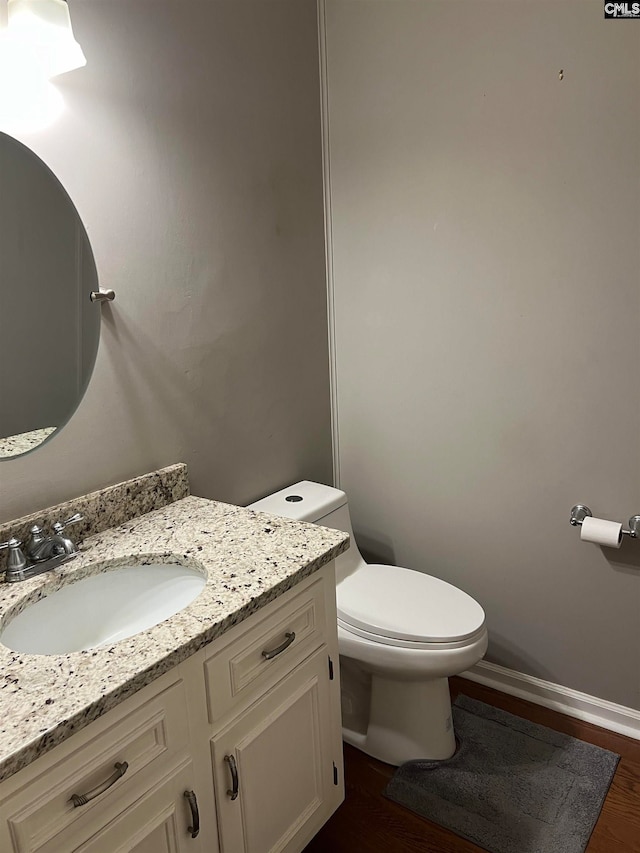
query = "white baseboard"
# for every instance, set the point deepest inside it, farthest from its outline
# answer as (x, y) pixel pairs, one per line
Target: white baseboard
(600, 712)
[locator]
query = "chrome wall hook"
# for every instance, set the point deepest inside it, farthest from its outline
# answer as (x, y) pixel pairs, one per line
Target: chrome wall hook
(102, 295)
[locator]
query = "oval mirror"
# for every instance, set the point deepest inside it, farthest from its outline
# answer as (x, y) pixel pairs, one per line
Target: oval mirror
(49, 327)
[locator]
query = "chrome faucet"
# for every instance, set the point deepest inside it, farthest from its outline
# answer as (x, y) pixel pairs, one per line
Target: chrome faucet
(43, 553)
(40, 547)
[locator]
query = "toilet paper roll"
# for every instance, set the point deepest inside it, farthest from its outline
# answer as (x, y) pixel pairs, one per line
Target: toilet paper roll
(602, 532)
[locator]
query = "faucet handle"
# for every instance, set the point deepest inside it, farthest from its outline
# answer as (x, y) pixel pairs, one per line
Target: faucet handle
(16, 560)
(64, 544)
(59, 526)
(35, 541)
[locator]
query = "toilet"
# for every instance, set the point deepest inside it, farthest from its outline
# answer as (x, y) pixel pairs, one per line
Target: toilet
(401, 634)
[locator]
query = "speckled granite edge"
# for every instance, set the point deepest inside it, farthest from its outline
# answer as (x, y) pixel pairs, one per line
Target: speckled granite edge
(250, 558)
(108, 507)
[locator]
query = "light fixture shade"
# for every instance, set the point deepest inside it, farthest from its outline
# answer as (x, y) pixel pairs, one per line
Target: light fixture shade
(28, 101)
(46, 25)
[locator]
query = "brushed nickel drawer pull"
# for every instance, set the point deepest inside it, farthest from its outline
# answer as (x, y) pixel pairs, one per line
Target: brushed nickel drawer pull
(233, 792)
(272, 653)
(82, 799)
(195, 815)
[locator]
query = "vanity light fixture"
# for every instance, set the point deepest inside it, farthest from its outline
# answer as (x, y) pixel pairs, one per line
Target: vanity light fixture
(28, 101)
(36, 44)
(45, 26)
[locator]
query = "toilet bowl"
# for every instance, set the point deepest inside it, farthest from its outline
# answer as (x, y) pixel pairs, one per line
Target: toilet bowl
(401, 635)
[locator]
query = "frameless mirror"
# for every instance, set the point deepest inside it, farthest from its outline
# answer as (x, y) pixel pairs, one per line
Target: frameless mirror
(49, 327)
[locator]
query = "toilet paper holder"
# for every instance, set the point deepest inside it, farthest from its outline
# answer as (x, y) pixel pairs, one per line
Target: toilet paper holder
(580, 512)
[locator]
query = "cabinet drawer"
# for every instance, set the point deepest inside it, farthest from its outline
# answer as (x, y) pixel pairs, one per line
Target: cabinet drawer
(239, 670)
(147, 738)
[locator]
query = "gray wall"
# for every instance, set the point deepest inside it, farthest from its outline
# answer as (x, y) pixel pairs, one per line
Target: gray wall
(486, 221)
(191, 147)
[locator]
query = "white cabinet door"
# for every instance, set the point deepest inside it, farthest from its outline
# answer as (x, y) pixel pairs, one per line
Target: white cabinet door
(158, 822)
(287, 780)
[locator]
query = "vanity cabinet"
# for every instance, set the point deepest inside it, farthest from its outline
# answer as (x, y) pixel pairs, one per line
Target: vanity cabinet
(250, 724)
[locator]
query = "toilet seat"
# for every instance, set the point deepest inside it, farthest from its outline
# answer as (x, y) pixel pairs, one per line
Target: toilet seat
(424, 646)
(402, 607)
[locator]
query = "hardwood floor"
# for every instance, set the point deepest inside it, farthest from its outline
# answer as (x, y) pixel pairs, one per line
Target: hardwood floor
(368, 823)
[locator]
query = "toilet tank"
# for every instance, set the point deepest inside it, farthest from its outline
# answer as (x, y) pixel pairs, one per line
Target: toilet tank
(319, 504)
(304, 501)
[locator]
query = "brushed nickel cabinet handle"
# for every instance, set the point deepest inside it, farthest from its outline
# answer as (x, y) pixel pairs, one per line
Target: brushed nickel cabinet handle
(195, 814)
(121, 768)
(233, 792)
(272, 653)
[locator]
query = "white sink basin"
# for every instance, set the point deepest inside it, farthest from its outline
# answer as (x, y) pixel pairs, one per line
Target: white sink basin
(101, 609)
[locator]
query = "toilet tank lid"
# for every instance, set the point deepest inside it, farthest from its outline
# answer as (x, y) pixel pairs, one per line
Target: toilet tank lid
(303, 501)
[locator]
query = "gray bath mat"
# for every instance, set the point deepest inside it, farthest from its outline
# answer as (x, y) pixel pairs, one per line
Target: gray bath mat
(512, 786)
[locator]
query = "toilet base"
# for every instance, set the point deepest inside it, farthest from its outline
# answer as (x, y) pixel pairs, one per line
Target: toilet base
(407, 720)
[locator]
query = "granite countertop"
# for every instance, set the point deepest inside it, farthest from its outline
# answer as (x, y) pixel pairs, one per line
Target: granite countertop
(249, 558)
